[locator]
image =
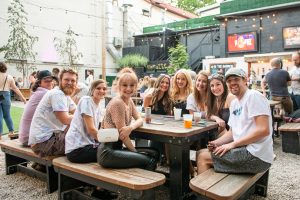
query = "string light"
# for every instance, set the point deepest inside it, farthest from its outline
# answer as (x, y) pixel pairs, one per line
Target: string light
(253, 19)
(271, 37)
(235, 20)
(273, 14)
(275, 22)
(253, 25)
(225, 19)
(245, 19)
(261, 18)
(268, 16)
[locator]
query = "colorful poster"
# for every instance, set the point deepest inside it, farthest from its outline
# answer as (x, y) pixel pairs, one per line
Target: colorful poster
(291, 37)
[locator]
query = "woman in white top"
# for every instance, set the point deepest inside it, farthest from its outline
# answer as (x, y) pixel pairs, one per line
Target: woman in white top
(81, 138)
(197, 101)
(6, 83)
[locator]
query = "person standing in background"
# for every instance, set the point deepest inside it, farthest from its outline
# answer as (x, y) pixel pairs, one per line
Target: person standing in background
(32, 78)
(6, 83)
(295, 76)
(278, 81)
(90, 78)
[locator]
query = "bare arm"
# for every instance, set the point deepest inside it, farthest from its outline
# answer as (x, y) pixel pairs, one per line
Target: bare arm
(17, 91)
(261, 130)
(263, 86)
(147, 100)
(64, 117)
(89, 124)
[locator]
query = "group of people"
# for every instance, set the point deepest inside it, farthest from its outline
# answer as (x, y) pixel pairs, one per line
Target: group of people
(244, 131)
(53, 124)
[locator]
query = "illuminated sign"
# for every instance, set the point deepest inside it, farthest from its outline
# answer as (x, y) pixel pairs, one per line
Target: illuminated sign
(242, 42)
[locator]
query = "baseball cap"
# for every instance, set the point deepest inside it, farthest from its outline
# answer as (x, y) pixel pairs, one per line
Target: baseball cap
(235, 72)
(44, 74)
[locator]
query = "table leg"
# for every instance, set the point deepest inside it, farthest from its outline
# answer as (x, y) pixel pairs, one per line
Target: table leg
(179, 170)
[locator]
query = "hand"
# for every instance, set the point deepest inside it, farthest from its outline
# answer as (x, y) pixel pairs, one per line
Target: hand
(220, 122)
(211, 146)
(124, 132)
(24, 100)
(221, 150)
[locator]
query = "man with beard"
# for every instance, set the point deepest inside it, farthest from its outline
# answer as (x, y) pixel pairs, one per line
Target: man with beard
(52, 116)
(247, 147)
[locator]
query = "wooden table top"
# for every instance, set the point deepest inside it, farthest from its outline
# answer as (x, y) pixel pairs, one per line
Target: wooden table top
(290, 127)
(170, 127)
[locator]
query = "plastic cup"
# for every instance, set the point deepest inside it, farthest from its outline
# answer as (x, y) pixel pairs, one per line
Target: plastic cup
(177, 113)
(187, 120)
(139, 109)
(197, 117)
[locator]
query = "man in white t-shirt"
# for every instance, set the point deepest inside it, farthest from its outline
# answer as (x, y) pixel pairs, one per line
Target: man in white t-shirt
(52, 116)
(248, 146)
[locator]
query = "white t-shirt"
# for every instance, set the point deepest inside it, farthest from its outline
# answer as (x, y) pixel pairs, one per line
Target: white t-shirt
(77, 135)
(241, 121)
(44, 121)
(191, 104)
(295, 85)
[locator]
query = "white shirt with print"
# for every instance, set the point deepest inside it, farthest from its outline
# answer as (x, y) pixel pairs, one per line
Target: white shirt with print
(241, 121)
(77, 135)
(44, 121)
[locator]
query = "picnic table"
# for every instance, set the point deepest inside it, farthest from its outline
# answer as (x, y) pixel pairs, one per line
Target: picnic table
(179, 139)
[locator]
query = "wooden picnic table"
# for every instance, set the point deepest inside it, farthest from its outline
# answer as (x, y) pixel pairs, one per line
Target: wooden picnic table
(179, 139)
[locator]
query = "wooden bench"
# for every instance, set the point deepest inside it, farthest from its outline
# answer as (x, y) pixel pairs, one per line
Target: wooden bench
(17, 158)
(134, 182)
(222, 186)
(290, 137)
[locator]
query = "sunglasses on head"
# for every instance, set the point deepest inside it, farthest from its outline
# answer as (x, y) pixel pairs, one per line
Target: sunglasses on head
(217, 76)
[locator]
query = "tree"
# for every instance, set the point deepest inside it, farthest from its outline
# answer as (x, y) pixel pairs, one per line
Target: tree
(193, 5)
(178, 58)
(67, 49)
(19, 47)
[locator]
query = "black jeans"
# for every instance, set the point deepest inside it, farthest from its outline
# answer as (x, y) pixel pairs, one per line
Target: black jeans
(112, 155)
(85, 154)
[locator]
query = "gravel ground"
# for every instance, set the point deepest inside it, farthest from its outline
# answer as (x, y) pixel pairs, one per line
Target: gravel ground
(284, 181)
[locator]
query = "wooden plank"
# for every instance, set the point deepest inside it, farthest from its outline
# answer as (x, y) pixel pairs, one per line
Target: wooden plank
(16, 145)
(137, 179)
(232, 186)
(273, 103)
(290, 127)
(202, 182)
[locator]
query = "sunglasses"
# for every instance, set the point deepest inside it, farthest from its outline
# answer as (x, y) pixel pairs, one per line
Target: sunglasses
(217, 76)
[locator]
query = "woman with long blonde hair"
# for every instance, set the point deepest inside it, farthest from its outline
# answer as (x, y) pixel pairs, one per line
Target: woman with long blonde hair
(182, 87)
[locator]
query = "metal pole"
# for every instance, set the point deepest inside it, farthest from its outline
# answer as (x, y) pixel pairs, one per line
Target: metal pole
(103, 41)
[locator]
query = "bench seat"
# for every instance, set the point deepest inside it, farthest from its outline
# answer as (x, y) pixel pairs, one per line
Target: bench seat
(17, 157)
(134, 182)
(290, 137)
(222, 186)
